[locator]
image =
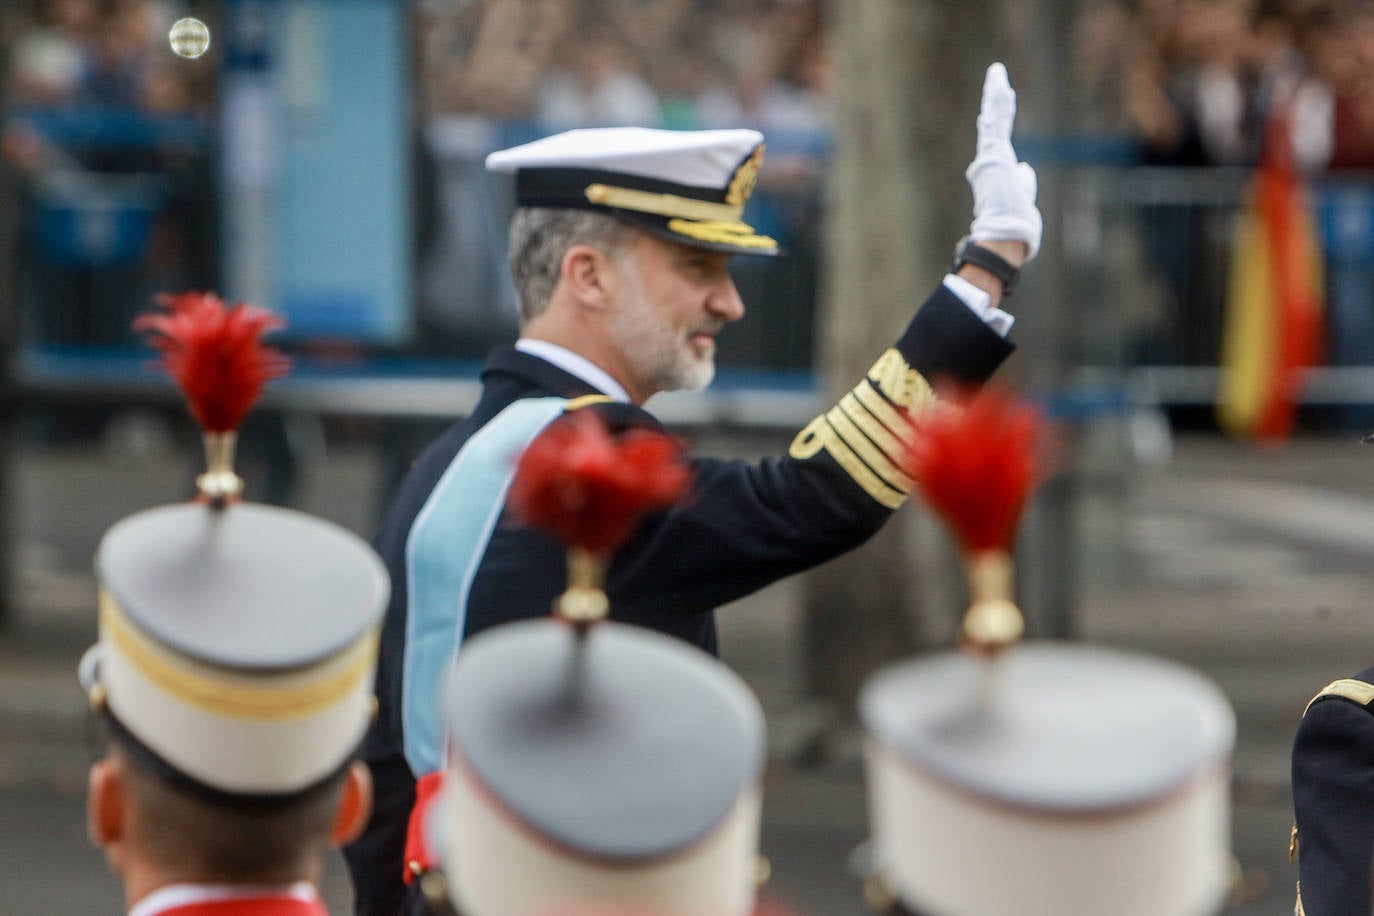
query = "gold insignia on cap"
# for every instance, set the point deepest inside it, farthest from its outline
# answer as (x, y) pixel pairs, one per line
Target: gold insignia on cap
(660, 204)
(741, 235)
(742, 183)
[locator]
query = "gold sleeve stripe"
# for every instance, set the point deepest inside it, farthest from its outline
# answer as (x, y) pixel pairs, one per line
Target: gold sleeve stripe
(1347, 688)
(871, 455)
(220, 693)
(820, 434)
(899, 383)
(896, 422)
(585, 401)
(891, 445)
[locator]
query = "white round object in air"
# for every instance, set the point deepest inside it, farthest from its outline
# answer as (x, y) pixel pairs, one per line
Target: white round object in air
(189, 37)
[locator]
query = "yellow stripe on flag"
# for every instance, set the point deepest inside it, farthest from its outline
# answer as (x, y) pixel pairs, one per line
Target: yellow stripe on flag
(1249, 349)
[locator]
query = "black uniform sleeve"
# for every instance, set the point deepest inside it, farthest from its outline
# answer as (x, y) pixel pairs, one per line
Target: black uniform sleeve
(748, 524)
(1333, 804)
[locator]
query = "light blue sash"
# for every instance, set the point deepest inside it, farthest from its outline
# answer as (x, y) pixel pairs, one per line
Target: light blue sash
(443, 551)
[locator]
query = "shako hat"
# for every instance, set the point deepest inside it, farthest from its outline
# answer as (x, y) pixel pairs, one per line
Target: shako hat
(689, 186)
(1034, 779)
(595, 766)
(237, 642)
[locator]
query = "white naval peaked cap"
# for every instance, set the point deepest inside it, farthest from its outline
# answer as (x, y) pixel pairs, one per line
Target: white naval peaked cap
(237, 646)
(703, 158)
(686, 185)
(620, 769)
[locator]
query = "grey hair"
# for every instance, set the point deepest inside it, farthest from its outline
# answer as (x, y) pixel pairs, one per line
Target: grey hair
(540, 236)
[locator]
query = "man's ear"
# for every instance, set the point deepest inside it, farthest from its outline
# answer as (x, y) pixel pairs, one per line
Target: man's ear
(589, 276)
(355, 805)
(106, 804)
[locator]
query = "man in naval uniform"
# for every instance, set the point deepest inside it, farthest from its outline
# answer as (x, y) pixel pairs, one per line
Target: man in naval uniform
(1333, 800)
(233, 676)
(619, 251)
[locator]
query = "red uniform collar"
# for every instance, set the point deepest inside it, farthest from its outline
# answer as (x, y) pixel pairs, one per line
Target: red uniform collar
(228, 900)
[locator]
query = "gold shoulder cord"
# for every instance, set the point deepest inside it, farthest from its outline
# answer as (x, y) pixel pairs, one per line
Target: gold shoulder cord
(586, 401)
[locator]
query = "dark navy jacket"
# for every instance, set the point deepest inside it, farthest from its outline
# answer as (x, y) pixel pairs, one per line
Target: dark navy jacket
(459, 565)
(1333, 799)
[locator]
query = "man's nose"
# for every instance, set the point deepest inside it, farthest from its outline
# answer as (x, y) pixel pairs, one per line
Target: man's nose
(725, 302)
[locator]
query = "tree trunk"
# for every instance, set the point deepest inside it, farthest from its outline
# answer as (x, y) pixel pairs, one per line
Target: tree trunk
(908, 79)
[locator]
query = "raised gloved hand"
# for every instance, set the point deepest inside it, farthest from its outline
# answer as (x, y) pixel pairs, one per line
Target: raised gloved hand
(1003, 189)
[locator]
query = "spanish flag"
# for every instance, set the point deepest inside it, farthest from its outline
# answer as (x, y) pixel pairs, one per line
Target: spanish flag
(1273, 323)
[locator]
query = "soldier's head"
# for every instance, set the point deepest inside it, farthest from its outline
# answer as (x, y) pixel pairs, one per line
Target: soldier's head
(146, 822)
(233, 677)
(620, 245)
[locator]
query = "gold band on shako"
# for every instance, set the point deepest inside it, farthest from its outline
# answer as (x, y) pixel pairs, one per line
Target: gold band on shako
(249, 733)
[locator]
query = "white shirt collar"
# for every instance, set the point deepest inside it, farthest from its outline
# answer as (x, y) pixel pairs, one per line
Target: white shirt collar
(573, 364)
(178, 895)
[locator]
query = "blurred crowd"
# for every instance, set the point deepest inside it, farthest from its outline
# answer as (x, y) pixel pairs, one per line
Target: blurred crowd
(1223, 82)
(71, 56)
(113, 201)
(1196, 81)
(657, 63)
(108, 54)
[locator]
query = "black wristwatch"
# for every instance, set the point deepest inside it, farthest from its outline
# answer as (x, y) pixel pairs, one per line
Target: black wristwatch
(970, 252)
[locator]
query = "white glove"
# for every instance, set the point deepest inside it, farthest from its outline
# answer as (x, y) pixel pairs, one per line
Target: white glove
(1003, 189)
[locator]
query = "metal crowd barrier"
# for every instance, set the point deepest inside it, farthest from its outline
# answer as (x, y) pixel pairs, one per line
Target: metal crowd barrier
(1151, 249)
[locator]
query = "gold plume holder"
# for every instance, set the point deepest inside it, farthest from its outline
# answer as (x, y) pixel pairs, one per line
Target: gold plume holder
(993, 622)
(584, 602)
(219, 484)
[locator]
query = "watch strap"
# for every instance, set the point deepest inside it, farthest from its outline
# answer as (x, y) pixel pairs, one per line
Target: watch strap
(970, 252)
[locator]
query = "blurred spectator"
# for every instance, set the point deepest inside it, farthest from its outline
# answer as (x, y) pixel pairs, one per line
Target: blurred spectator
(1100, 37)
(1337, 97)
(51, 54)
(777, 64)
(1185, 84)
(486, 58)
(595, 81)
(482, 65)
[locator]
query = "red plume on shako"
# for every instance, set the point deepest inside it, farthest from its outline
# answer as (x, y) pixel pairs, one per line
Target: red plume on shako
(216, 355)
(589, 489)
(977, 464)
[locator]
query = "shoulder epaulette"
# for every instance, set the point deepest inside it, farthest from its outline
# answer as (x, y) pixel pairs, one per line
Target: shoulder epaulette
(1361, 693)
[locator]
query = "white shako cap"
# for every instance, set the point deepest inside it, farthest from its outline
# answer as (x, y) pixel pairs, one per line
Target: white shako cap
(619, 768)
(237, 645)
(689, 186)
(1078, 780)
